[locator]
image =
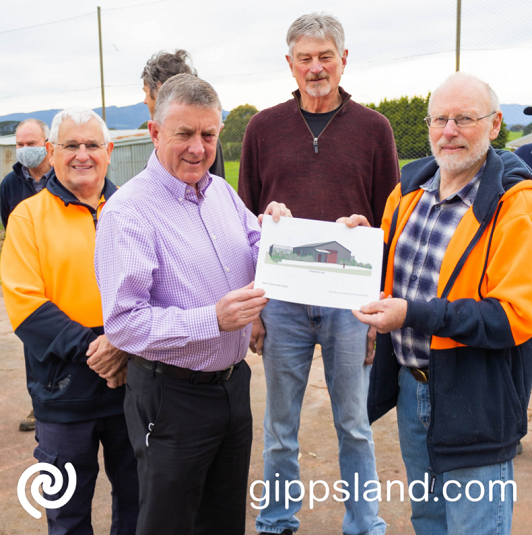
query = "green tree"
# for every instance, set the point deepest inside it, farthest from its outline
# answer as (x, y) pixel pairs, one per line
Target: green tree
(527, 129)
(233, 131)
(410, 131)
(502, 138)
(144, 126)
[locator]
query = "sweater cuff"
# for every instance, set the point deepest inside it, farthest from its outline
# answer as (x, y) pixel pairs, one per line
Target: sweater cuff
(423, 316)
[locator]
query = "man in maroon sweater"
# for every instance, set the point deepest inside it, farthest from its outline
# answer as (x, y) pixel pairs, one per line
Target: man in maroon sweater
(324, 156)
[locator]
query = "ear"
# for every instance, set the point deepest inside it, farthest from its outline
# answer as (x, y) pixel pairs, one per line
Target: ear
(155, 130)
(221, 126)
(110, 147)
(159, 84)
(50, 149)
(290, 63)
(496, 125)
(344, 58)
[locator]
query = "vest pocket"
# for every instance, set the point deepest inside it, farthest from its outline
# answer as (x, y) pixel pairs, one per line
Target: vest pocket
(474, 399)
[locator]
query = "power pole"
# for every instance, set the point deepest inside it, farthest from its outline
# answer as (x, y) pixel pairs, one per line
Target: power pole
(458, 32)
(101, 62)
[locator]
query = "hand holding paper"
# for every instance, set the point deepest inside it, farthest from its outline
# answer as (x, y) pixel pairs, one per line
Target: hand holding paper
(385, 315)
(276, 210)
(240, 308)
(354, 220)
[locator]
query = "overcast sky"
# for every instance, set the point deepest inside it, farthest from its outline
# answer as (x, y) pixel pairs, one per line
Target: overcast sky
(396, 48)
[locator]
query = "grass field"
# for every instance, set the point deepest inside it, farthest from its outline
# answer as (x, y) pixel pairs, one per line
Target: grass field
(514, 135)
(231, 171)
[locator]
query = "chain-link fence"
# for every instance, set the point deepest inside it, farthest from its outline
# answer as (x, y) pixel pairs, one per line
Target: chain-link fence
(398, 53)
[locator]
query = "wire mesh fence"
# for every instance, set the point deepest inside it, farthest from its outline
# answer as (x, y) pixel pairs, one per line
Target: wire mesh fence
(398, 53)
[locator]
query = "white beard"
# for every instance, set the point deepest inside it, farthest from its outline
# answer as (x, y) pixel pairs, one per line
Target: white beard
(457, 163)
(319, 91)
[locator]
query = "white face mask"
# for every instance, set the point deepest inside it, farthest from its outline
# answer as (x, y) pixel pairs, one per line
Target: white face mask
(31, 157)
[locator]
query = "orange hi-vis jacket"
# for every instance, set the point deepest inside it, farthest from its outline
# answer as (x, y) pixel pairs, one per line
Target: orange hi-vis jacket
(480, 363)
(54, 304)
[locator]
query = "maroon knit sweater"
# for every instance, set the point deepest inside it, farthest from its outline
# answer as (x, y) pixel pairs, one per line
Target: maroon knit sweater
(353, 172)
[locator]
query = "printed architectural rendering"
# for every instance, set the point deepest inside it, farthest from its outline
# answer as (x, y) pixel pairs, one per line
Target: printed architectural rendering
(323, 253)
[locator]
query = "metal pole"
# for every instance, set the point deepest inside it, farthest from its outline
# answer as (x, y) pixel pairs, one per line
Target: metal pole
(101, 62)
(458, 32)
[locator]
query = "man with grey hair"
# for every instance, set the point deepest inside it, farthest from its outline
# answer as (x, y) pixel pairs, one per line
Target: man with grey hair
(176, 251)
(32, 170)
(324, 155)
(74, 375)
(159, 68)
(455, 350)
(29, 176)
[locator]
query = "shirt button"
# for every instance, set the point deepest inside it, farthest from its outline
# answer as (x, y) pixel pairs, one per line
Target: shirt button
(180, 199)
(437, 207)
(213, 237)
(414, 277)
(243, 335)
(423, 243)
(227, 269)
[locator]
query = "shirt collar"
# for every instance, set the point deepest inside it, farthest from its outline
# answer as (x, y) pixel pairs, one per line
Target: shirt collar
(467, 194)
(173, 184)
(27, 176)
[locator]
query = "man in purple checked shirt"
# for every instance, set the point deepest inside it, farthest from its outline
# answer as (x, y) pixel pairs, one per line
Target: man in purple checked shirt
(175, 259)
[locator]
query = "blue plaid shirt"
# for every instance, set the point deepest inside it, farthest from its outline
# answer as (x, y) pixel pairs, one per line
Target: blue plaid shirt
(418, 257)
(38, 185)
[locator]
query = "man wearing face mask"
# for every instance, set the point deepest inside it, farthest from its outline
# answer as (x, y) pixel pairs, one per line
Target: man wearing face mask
(29, 176)
(32, 170)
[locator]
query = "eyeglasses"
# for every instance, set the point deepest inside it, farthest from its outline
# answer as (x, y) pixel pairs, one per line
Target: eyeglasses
(461, 121)
(73, 146)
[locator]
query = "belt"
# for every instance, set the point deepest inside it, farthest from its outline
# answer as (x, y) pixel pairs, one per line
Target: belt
(184, 374)
(421, 375)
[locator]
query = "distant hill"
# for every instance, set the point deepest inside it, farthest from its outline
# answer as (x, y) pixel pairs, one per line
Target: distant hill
(123, 118)
(513, 114)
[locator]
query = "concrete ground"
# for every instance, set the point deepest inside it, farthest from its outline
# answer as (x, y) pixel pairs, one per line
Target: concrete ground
(317, 442)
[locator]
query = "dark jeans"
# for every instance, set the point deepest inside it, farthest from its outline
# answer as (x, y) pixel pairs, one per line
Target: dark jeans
(78, 443)
(193, 446)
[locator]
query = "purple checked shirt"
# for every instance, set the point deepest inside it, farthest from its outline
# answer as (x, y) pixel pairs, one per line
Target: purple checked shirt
(164, 257)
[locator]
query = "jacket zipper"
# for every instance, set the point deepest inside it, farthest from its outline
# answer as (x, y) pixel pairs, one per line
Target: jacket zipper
(315, 142)
(93, 214)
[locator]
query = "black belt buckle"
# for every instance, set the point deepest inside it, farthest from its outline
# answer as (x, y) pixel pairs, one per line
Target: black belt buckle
(230, 369)
(222, 375)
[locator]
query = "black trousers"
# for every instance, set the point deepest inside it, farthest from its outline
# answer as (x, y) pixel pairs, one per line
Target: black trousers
(78, 443)
(193, 447)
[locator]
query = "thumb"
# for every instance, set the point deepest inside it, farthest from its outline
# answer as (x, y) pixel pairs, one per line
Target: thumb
(371, 308)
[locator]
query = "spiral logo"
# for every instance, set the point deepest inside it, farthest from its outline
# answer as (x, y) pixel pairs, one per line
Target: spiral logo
(46, 481)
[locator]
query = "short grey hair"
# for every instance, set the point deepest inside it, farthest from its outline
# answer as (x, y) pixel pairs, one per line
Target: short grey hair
(318, 25)
(185, 89)
(79, 115)
(164, 65)
(42, 124)
(469, 79)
